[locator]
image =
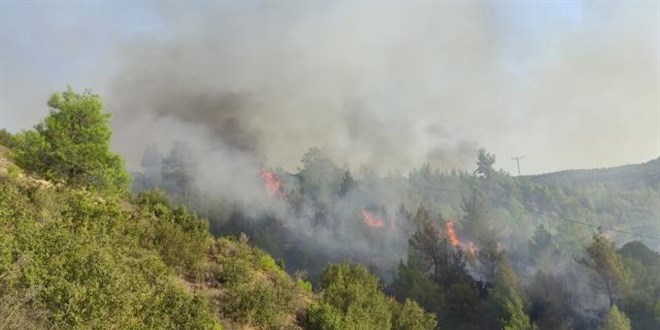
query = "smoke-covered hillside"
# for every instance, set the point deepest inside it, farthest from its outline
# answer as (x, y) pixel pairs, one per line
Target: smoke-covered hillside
(542, 225)
(330, 165)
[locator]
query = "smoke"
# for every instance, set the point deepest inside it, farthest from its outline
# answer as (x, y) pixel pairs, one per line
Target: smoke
(391, 86)
(360, 82)
(382, 87)
(387, 87)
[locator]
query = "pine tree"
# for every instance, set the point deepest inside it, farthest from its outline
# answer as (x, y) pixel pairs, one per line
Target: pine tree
(72, 144)
(610, 273)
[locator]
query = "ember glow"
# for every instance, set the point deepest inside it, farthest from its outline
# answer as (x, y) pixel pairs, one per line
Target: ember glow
(273, 183)
(371, 220)
(451, 233)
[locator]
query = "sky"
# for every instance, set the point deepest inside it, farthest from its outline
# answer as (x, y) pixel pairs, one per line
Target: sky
(390, 85)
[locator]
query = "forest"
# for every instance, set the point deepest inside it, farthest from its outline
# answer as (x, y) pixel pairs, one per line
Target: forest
(85, 243)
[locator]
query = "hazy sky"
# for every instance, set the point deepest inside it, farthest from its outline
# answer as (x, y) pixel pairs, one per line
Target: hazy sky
(567, 84)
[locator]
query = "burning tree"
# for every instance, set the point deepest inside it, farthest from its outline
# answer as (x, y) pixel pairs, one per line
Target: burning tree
(371, 220)
(436, 251)
(435, 273)
(273, 183)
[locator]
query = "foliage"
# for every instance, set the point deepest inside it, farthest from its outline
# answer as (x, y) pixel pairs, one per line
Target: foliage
(550, 302)
(615, 320)
(179, 237)
(410, 316)
(611, 274)
(178, 171)
(73, 144)
(552, 214)
(433, 251)
(347, 183)
(410, 281)
(485, 163)
(351, 299)
(256, 291)
(7, 139)
(508, 298)
(319, 175)
(642, 303)
(78, 255)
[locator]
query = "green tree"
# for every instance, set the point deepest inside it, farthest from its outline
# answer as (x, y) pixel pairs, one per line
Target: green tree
(319, 176)
(485, 163)
(73, 144)
(543, 249)
(351, 298)
(347, 183)
(7, 139)
(642, 302)
(424, 245)
(615, 320)
(410, 316)
(610, 272)
(149, 177)
(476, 221)
(412, 282)
(550, 301)
(433, 251)
(178, 171)
(508, 298)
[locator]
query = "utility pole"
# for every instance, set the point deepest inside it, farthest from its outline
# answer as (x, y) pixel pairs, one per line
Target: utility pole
(517, 159)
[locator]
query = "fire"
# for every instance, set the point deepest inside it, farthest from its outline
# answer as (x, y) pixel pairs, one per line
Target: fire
(451, 233)
(273, 183)
(371, 220)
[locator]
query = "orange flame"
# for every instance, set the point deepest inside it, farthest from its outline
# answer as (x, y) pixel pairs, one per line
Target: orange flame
(273, 183)
(451, 233)
(371, 220)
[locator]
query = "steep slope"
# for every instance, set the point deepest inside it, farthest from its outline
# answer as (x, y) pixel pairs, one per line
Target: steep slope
(71, 258)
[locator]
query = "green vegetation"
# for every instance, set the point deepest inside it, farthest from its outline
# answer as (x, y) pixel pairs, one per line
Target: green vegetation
(72, 145)
(351, 298)
(615, 320)
(254, 290)
(77, 251)
(529, 257)
(78, 260)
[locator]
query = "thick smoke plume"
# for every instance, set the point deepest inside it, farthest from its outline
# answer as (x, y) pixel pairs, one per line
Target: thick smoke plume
(365, 84)
(385, 87)
(378, 87)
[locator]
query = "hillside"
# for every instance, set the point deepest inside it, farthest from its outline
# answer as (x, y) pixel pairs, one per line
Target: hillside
(72, 258)
(79, 251)
(442, 238)
(625, 177)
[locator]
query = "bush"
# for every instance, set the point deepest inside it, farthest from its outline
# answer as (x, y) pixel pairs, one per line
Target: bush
(410, 316)
(351, 298)
(179, 236)
(77, 257)
(256, 291)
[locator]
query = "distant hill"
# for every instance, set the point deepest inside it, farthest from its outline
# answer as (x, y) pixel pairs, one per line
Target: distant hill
(627, 176)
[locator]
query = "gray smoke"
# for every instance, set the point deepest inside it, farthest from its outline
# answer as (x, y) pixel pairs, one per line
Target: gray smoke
(364, 83)
(386, 87)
